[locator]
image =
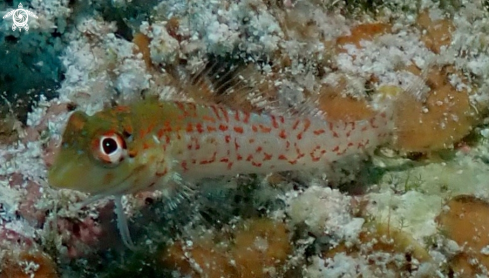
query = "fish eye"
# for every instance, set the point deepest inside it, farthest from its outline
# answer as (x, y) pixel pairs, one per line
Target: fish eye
(109, 148)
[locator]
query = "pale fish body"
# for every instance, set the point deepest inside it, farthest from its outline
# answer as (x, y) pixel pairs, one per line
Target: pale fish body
(149, 144)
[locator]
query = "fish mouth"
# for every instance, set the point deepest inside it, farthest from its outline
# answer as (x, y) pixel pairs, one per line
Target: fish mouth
(120, 189)
(115, 191)
(63, 178)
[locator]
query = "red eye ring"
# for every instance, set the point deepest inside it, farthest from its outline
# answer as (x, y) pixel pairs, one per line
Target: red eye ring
(109, 148)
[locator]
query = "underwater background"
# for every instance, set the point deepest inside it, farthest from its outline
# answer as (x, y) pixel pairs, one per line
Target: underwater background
(416, 207)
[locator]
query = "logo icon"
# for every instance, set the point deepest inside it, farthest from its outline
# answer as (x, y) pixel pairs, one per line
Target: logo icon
(20, 17)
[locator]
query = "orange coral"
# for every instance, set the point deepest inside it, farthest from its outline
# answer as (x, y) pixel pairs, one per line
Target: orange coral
(142, 42)
(381, 239)
(367, 31)
(445, 117)
(258, 249)
(27, 264)
(340, 107)
(466, 222)
(437, 33)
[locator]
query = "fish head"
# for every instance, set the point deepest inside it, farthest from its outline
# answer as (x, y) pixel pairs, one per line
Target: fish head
(95, 154)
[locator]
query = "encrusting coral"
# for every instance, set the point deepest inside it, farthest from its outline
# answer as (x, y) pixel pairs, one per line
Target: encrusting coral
(463, 221)
(256, 248)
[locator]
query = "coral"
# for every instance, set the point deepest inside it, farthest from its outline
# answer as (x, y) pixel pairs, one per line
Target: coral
(439, 121)
(258, 248)
(142, 42)
(379, 251)
(436, 33)
(464, 220)
(28, 264)
(362, 32)
(324, 211)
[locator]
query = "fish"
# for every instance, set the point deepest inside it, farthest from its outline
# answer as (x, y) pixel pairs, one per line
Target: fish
(154, 144)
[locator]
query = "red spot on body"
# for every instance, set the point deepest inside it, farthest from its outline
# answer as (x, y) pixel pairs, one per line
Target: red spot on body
(265, 129)
(254, 128)
(208, 118)
(314, 158)
(282, 134)
(142, 133)
(224, 113)
(319, 131)
(223, 127)
(238, 129)
(372, 123)
(337, 148)
(192, 107)
(282, 157)
(161, 174)
(296, 124)
(307, 124)
(249, 158)
(199, 128)
(258, 149)
(274, 121)
(145, 146)
(132, 153)
(160, 133)
(224, 159)
(256, 164)
(211, 128)
(267, 156)
(239, 157)
(216, 112)
(190, 127)
(167, 127)
(227, 138)
(181, 107)
(251, 141)
(184, 165)
(246, 117)
(211, 160)
(150, 128)
(122, 108)
(230, 165)
(128, 129)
